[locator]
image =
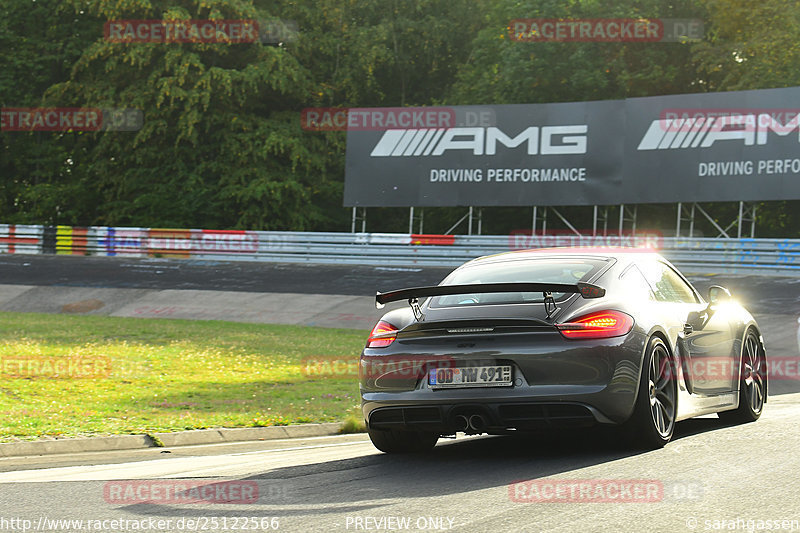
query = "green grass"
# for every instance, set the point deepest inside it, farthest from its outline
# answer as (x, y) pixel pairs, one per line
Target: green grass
(167, 375)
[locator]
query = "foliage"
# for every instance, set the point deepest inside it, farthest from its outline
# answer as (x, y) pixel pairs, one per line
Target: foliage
(222, 144)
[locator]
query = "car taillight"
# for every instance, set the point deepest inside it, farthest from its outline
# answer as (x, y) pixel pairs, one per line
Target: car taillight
(599, 325)
(383, 334)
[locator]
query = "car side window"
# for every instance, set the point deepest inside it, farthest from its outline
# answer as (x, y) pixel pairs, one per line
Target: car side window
(667, 285)
(636, 283)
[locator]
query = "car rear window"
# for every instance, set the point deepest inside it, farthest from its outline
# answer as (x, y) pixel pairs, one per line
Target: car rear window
(568, 271)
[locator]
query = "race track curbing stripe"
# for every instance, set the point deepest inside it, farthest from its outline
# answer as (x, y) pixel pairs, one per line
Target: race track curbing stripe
(180, 438)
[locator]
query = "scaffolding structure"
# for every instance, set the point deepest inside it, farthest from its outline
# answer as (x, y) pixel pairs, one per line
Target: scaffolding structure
(686, 216)
(747, 213)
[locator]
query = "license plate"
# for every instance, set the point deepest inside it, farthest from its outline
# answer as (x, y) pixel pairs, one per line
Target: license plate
(474, 376)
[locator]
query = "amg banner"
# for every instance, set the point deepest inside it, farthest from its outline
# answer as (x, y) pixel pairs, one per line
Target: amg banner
(685, 148)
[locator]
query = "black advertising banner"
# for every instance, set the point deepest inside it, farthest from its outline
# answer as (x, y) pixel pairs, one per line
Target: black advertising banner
(734, 146)
(513, 155)
(699, 147)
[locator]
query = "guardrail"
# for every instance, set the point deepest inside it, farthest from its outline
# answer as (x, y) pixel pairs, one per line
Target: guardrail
(773, 256)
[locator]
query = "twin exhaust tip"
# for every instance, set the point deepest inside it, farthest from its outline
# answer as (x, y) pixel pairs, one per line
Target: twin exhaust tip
(474, 422)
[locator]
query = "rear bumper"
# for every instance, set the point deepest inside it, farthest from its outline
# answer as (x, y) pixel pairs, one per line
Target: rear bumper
(556, 383)
(496, 418)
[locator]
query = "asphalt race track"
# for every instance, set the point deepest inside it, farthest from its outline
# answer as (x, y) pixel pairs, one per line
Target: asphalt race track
(709, 477)
(712, 477)
(188, 274)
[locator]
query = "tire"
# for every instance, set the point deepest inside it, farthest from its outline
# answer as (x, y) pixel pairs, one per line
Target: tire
(399, 441)
(653, 420)
(752, 383)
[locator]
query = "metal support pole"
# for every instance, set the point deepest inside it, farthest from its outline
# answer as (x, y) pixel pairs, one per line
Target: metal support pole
(678, 223)
(356, 218)
(480, 219)
(566, 222)
(469, 228)
(741, 213)
(753, 224)
(454, 226)
(544, 221)
(722, 232)
(598, 216)
(632, 216)
(691, 221)
(413, 217)
(533, 223)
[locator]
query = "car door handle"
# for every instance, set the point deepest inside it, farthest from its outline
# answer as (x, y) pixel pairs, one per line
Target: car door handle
(687, 329)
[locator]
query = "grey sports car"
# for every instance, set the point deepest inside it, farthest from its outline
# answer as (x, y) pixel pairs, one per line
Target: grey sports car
(553, 338)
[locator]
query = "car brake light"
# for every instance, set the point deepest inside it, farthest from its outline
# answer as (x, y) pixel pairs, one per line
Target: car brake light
(383, 334)
(599, 325)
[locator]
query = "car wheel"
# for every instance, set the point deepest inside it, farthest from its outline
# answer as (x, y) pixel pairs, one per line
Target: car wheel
(752, 383)
(653, 420)
(399, 441)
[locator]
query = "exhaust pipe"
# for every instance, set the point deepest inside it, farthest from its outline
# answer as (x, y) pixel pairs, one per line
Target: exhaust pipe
(461, 423)
(477, 422)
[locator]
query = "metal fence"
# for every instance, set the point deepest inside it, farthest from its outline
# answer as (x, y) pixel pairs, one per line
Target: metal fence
(772, 256)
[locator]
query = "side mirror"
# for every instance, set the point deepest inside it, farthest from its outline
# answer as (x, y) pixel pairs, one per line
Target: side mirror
(718, 295)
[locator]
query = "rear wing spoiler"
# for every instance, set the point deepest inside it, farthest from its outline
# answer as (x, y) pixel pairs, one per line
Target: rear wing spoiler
(586, 290)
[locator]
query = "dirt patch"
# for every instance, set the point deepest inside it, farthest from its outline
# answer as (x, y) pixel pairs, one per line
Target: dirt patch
(84, 306)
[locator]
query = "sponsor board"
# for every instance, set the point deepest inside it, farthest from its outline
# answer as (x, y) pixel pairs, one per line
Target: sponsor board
(586, 153)
(129, 242)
